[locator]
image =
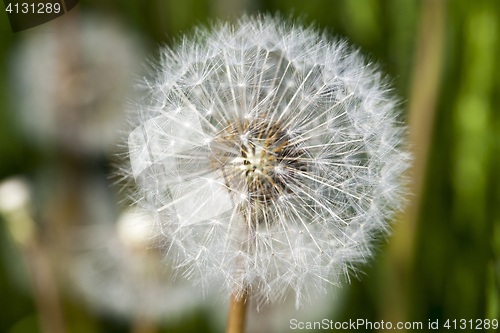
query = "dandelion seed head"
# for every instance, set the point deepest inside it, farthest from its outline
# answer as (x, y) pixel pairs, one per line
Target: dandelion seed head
(69, 86)
(269, 156)
(112, 271)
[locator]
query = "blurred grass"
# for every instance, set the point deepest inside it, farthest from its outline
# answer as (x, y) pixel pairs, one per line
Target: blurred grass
(456, 267)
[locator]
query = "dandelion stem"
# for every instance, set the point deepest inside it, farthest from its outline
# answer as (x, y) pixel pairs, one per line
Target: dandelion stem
(142, 324)
(237, 313)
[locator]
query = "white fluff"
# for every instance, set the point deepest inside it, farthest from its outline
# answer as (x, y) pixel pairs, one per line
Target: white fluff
(269, 156)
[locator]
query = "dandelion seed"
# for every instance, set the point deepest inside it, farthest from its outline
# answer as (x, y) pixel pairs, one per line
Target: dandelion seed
(292, 146)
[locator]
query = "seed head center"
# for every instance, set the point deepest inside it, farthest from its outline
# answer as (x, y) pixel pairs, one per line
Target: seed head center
(259, 159)
(254, 160)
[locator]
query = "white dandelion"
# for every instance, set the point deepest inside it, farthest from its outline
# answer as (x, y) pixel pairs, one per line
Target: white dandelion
(111, 270)
(70, 82)
(270, 157)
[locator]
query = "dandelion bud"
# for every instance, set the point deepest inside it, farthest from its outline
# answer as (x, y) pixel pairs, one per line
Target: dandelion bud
(269, 156)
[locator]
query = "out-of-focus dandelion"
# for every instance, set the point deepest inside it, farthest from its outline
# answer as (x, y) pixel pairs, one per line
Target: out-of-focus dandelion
(71, 82)
(16, 208)
(15, 205)
(269, 157)
(112, 270)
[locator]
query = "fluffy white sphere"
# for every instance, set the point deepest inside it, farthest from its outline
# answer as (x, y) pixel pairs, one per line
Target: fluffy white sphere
(269, 156)
(70, 83)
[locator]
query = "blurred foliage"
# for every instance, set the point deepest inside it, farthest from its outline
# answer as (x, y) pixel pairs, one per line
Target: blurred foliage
(455, 273)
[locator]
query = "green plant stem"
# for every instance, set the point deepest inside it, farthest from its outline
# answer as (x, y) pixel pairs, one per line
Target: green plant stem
(421, 109)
